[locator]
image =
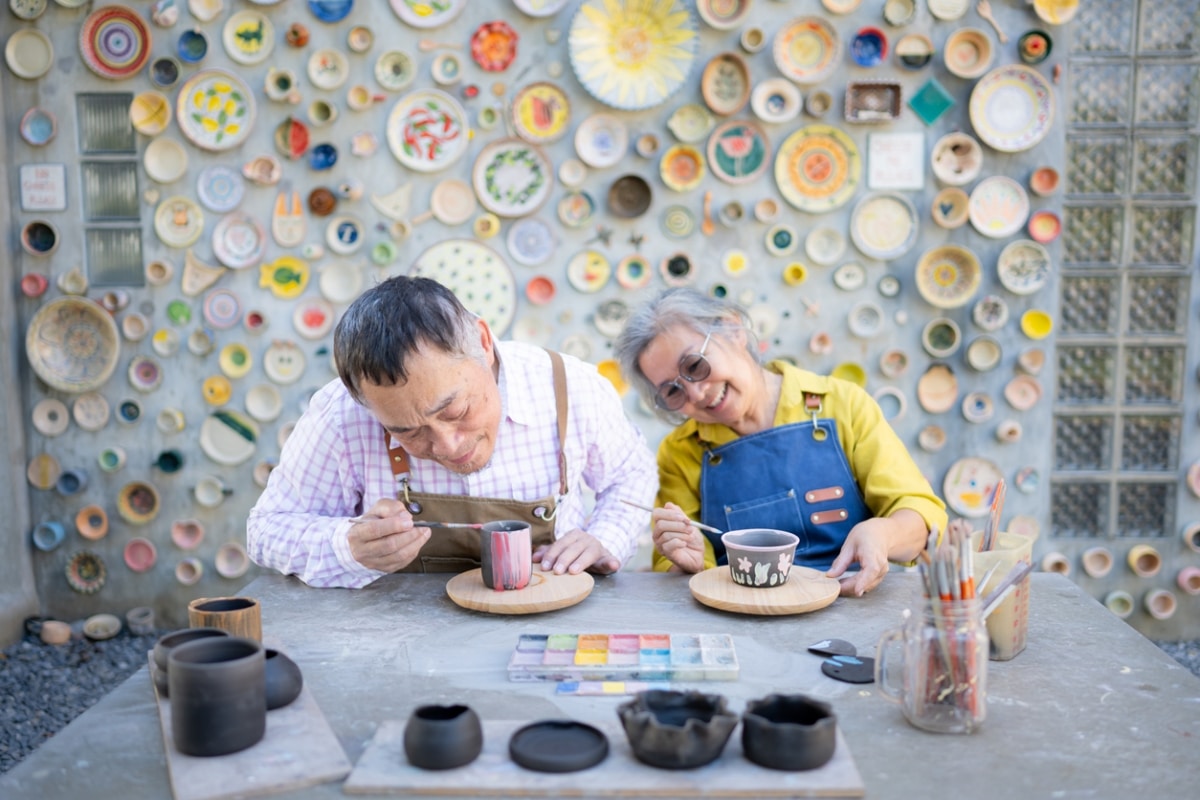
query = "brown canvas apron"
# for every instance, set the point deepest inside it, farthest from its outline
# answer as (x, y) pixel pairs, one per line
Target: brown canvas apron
(456, 549)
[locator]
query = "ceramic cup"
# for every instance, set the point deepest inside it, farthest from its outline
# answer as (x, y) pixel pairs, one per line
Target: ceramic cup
(283, 678)
(48, 535)
(442, 737)
(760, 557)
(676, 730)
(506, 553)
(789, 732)
(210, 491)
(160, 655)
(239, 616)
(218, 695)
(1008, 624)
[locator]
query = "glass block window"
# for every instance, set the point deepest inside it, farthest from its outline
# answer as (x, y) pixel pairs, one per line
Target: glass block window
(1079, 510)
(1090, 304)
(1158, 304)
(104, 126)
(1153, 375)
(1097, 165)
(1092, 234)
(1106, 28)
(1083, 443)
(1145, 510)
(1150, 444)
(1166, 26)
(114, 257)
(110, 191)
(1087, 374)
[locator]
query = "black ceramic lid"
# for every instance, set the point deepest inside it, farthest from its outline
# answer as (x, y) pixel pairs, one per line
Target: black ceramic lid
(558, 745)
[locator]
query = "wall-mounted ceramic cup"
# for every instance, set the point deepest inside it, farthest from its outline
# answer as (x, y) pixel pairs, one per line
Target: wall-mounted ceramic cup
(280, 85)
(169, 461)
(760, 557)
(210, 491)
(71, 482)
(189, 571)
(39, 238)
(321, 112)
(218, 695)
(442, 737)
(165, 71)
(192, 46)
(1144, 560)
(238, 616)
(170, 420)
(506, 553)
(48, 535)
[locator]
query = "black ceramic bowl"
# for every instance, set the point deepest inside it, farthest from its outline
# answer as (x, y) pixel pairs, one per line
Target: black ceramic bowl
(789, 732)
(165, 644)
(677, 730)
(442, 737)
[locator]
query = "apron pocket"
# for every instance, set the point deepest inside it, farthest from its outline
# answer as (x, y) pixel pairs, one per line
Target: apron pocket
(780, 511)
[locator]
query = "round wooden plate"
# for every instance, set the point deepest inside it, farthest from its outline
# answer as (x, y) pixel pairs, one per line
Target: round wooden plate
(546, 592)
(806, 590)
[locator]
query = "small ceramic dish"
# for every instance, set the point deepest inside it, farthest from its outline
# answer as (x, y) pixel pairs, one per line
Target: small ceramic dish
(1023, 267)
(872, 101)
(941, 337)
(690, 123)
(395, 70)
(677, 730)
(682, 168)
(781, 240)
(957, 158)
(1044, 227)
(1031, 360)
(216, 390)
(138, 502)
(1036, 324)
(865, 320)
(677, 269)
(150, 113)
(893, 363)
(850, 277)
(92, 522)
(990, 313)
(231, 560)
(556, 746)
(38, 126)
(39, 238)
(850, 372)
(932, 438)
(99, 627)
(140, 554)
(948, 276)
(725, 84)
(950, 208)
(145, 373)
(264, 402)
(984, 353)
(601, 140)
(789, 732)
(1023, 392)
(189, 571)
(978, 407)
(629, 196)
(1056, 12)
(869, 47)
(776, 100)
(50, 417)
(914, 50)
(187, 534)
(968, 53)
(86, 572)
(235, 360)
(824, 245)
(1044, 181)
(1034, 46)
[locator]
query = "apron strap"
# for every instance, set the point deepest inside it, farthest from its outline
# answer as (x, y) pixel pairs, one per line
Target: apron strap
(812, 404)
(398, 456)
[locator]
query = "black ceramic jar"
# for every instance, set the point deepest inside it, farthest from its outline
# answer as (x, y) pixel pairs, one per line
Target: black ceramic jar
(442, 737)
(677, 730)
(789, 732)
(165, 644)
(218, 695)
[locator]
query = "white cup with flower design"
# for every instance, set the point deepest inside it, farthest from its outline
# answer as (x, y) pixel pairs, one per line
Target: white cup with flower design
(760, 557)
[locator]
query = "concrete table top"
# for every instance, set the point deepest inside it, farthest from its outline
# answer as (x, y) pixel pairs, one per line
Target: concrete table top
(1090, 709)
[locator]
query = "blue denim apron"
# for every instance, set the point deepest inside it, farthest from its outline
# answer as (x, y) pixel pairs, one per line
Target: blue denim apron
(794, 478)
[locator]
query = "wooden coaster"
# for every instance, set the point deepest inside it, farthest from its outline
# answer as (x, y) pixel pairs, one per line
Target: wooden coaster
(806, 590)
(546, 592)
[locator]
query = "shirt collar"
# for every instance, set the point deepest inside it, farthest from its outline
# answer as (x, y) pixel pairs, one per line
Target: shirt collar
(517, 403)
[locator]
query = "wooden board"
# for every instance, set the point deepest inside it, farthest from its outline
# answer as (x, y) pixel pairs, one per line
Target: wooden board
(546, 592)
(384, 769)
(806, 590)
(299, 749)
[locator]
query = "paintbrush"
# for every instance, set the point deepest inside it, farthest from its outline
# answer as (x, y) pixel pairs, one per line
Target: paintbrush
(421, 524)
(1014, 576)
(699, 525)
(993, 524)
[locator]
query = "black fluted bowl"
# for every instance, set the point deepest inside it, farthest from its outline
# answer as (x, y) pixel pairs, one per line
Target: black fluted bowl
(677, 730)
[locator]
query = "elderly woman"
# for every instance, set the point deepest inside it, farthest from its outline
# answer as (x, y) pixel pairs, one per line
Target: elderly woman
(769, 446)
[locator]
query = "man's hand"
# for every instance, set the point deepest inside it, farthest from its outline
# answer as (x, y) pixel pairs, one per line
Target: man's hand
(385, 539)
(574, 553)
(677, 539)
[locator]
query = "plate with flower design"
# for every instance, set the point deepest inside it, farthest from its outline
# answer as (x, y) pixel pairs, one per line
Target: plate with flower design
(512, 177)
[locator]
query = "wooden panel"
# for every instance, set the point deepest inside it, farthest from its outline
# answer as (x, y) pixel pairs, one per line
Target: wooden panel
(299, 749)
(384, 769)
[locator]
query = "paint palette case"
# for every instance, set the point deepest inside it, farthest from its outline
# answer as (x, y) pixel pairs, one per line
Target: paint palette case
(623, 656)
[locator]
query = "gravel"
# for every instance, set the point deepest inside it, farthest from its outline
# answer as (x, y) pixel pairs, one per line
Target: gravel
(43, 687)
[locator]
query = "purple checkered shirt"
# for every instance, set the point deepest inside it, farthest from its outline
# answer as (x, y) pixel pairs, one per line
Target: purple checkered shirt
(335, 464)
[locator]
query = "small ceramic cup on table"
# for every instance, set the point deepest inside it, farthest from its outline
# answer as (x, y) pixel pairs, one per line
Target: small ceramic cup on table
(506, 555)
(238, 616)
(789, 732)
(760, 557)
(442, 737)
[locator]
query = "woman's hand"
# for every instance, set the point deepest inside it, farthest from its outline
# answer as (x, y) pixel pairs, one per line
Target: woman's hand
(867, 544)
(677, 539)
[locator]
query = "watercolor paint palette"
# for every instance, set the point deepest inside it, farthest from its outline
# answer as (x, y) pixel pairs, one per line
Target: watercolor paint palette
(623, 657)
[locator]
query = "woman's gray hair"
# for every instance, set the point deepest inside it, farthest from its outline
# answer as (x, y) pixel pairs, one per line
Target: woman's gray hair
(390, 322)
(672, 308)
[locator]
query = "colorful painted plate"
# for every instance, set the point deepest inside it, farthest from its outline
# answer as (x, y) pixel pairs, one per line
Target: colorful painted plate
(284, 362)
(776, 100)
(229, 437)
(1023, 267)
(249, 37)
(344, 235)
(395, 70)
(512, 178)
(588, 271)
(818, 168)
(86, 572)
(949, 208)
(678, 221)
(72, 343)
(884, 225)
(330, 10)
(633, 272)
(682, 168)
(424, 14)
(239, 240)
(235, 360)
(222, 309)
(115, 42)
(29, 53)
(998, 207)
(220, 188)
(328, 68)
(427, 130)
(807, 50)
(738, 151)
(38, 126)
(286, 277)
(970, 484)
(540, 8)
(313, 317)
(531, 241)
(601, 140)
(948, 276)
(956, 159)
(215, 110)
(541, 112)
(477, 274)
(723, 15)
(632, 56)
(690, 123)
(1012, 108)
(575, 209)
(494, 45)
(725, 84)
(150, 113)
(178, 221)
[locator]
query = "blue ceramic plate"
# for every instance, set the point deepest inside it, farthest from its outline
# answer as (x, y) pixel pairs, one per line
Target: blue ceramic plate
(869, 47)
(330, 10)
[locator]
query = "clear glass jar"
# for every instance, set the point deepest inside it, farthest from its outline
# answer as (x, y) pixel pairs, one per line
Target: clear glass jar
(941, 680)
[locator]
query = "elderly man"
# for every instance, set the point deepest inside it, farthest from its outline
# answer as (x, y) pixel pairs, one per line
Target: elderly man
(433, 419)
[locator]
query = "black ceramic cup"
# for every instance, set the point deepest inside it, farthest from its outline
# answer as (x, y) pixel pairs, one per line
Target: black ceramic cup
(283, 678)
(789, 732)
(677, 730)
(218, 695)
(442, 737)
(165, 644)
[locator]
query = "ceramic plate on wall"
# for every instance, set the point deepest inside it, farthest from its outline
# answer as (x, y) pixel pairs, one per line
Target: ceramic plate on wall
(114, 42)
(222, 309)
(807, 50)
(541, 112)
(998, 207)
(165, 160)
(531, 241)
(330, 10)
(818, 168)
(477, 274)
(313, 317)
(284, 362)
(38, 126)
(948, 276)
(969, 486)
(150, 113)
(775, 100)
(220, 188)
(512, 178)
(1023, 266)
(427, 130)
(423, 14)
(178, 221)
(632, 56)
(229, 437)
(239, 240)
(682, 168)
(395, 70)
(29, 53)
(215, 110)
(248, 37)
(884, 225)
(725, 84)
(494, 46)
(588, 271)
(1012, 108)
(328, 68)
(738, 151)
(601, 140)
(340, 282)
